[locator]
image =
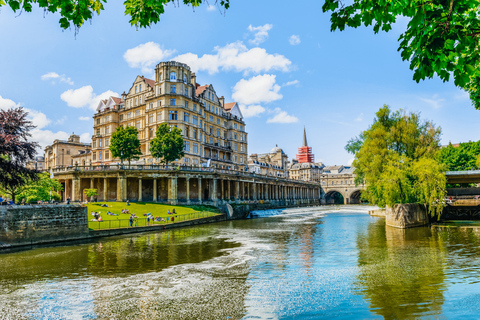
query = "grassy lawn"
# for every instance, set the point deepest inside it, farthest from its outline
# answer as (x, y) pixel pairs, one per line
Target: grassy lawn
(182, 213)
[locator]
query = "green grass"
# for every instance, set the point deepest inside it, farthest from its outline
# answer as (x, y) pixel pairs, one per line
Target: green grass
(182, 213)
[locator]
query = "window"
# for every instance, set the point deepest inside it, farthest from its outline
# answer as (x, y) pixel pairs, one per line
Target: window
(94, 156)
(194, 134)
(241, 147)
(195, 148)
(135, 89)
(241, 128)
(172, 115)
(225, 124)
(107, 155)
(137, 113)
(235, 148)
(159, 116)
(107, 130)
(210, 129)
(151, 105)
(121, 117)
(211, 140)
(185, 117)
(187, 146)
(194, 107)
(100, 155)
(173, 88)
(184, 77)
(208, 94)
(186, 91)
(235, 136)
(151, 118)
(129, 115)
(98, 121)
(225, 135)
(107, 142)
(211, 118)
(135, 102)
(159, 103)
(140, 88)
(159, 90)
(98, 131)
(173, 102)
(186, 104)
(218, 121)
(235, 125)
(150, 135)
(139, 124)
(185, 132)
(194, 120)
(140, 99)
(173, 76)
(218, 132)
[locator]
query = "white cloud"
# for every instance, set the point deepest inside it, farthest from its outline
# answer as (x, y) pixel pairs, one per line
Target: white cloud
(260, 33)
(291, 83)
(38, 119)
(84, 118)
(360, 117)
(294, 40)
(86, 137)
(282, 117)
(435, 102)
(146, 56)
(251, 111)
(46, 137)
(350, 162)
(256, 90)
(85, 97)
(55, 76)
(237, 57)
(211, 8)
(7, 103)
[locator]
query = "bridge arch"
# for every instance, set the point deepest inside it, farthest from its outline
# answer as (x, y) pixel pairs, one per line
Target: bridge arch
(354, 196)
(335, 196)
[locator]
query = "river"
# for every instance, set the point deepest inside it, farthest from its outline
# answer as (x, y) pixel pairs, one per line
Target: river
(305, 263)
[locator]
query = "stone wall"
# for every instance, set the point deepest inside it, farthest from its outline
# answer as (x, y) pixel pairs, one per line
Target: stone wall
(35, 224)
(406, 215)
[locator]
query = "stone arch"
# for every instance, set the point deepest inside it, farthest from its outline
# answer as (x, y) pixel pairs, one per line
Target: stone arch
(354, 196)
(334, 196)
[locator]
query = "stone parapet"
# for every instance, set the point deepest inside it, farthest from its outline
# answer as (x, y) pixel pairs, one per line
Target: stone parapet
(406, 215)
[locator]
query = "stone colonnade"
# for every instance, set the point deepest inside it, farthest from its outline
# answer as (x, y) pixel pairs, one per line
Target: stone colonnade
(185, 188)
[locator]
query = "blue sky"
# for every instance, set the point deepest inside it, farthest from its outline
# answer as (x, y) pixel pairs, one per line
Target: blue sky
(281, 63)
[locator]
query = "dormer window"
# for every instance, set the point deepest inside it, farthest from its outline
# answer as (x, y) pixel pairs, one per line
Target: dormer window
(173, 76)
(140, 88)
(135, 89)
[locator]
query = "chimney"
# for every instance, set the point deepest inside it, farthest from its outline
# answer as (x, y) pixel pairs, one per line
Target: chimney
(124, 96)
(222, 101)
(193, 79)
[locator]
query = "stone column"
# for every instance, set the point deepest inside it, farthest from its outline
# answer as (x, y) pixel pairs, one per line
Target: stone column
(187, 185)
(248, 190)
(67, 190)
(76, 192)
(155, 190)
(172, 191)
(105, 189)
(92, 185)
(237, 190)
(254, 186)
(222, 192)
(140, 197)
(214, 190)
(200, 190)
(229, 195)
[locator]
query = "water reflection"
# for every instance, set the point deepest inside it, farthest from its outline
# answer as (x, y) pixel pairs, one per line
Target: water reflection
(401, 272)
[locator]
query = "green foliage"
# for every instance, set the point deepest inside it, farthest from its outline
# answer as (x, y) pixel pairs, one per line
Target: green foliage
(441, 38)
(396, 158)
(168, 144)
(43, 189)
(463, 157)
(125, 143)
(90, 192)
(142, 13)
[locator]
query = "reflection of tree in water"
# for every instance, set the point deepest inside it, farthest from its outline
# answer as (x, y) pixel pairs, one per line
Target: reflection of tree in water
(401, 272)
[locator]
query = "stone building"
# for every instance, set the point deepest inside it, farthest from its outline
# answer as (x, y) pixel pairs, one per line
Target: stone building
(303, 167)
(273, 163)
(38, 163)
(61, 153)
(214, 131)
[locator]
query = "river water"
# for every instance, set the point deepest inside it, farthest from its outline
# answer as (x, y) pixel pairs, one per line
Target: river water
(305, 263)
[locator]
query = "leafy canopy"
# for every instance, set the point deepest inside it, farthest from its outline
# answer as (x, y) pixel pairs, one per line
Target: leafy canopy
(142, 13)
(396, 158)
(41, 189)
(168, 144)
(15, 150)
(462, 157)
(441, 38)
(125, 143)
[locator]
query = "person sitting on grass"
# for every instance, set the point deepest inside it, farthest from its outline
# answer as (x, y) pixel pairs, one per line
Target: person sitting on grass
(173, 211)
(169, 211)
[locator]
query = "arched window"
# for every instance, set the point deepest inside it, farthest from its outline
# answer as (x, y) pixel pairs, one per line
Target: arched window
(173, 76)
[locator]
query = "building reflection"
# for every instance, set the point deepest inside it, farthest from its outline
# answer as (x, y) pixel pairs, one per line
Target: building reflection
(401, 272)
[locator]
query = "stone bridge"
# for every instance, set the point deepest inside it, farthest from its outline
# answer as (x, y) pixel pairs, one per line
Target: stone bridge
(336, 184)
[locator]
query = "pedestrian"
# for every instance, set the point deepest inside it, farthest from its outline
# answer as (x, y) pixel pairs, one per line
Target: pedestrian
(128, 202)
(131, 220)
(68, 200)
(23, 201)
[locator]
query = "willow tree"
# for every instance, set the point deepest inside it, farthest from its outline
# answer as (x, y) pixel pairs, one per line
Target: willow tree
(397, 159)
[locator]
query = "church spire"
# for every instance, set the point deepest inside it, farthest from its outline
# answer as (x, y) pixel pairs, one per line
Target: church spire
(304, 138)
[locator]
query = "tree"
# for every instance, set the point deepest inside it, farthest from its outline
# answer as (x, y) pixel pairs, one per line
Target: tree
(168, 144)
(15, 150)
(41, 189)
(90, 193)
(142, 13)
(461, 157)
(441, 38)
(397, 159)
(125, 144)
